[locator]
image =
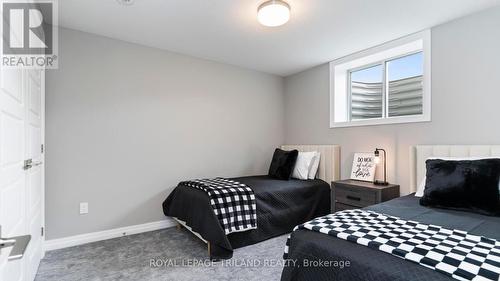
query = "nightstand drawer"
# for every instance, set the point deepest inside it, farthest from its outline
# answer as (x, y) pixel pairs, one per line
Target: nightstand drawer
(355, 197)
(341, 207)
(350, 194)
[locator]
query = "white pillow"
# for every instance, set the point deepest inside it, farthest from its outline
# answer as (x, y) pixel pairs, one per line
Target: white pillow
(421, 186)
(301, 169)
(314, 165)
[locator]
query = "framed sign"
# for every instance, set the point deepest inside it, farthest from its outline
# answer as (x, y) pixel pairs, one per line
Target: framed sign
(363, 167)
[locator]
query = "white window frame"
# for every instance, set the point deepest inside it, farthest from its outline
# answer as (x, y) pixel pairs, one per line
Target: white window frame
(340, 75)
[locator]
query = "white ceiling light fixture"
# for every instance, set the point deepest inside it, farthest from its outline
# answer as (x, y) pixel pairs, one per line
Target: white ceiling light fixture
(126, 2)
(273, 13)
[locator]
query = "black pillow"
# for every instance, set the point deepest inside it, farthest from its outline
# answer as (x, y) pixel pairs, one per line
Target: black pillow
(283, 163)
(468, 185)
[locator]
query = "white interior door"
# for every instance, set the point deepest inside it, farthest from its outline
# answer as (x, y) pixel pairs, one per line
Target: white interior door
(34, 175)
(21, 181)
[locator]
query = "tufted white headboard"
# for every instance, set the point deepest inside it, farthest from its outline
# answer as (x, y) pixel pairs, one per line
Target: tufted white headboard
(420, 153)
(329, 164)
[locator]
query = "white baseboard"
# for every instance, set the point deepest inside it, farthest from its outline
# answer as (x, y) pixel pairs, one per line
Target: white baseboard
(70, 241)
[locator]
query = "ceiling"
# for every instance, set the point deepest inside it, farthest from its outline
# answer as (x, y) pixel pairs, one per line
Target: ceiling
(227, 30)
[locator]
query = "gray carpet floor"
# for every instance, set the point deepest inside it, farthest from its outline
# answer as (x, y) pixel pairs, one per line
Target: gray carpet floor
(177, 255)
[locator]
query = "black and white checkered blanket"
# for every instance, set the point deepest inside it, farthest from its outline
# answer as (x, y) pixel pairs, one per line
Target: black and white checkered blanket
(233, 203)
(455, 253)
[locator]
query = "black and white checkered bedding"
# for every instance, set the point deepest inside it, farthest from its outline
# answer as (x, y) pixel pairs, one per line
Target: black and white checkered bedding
(233, 203)
(455, 253)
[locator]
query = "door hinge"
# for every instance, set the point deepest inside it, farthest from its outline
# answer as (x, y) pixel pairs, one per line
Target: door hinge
(41, 148)
(42, 230)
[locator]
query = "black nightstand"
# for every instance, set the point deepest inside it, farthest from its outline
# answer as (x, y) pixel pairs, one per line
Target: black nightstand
(351, 194)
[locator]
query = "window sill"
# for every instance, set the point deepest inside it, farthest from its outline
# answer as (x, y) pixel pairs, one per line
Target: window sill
(381, 121)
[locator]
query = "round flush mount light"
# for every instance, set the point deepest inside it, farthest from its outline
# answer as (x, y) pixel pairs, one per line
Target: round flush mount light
(125, 2)
(273, 13)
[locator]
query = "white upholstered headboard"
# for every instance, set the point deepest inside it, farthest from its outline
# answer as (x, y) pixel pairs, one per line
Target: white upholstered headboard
(420, 153)
(329, 164)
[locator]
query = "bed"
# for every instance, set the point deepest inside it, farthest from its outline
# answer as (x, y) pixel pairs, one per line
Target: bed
(280, 205)
(357, 262)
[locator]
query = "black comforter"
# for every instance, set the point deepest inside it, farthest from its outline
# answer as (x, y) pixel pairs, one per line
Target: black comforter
(281, 205)
(309, 247)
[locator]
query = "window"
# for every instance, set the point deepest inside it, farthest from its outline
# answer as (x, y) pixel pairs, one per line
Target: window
(367, 98)
(383, 85)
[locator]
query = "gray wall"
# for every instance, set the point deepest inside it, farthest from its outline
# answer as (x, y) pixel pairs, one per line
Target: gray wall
(465, 100)
(125, 123)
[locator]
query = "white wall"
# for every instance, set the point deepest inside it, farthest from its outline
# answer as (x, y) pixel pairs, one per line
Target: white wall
(465, 101)
(125, 123)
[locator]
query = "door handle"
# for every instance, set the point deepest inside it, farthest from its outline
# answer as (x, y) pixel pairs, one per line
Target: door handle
(28, 164)
(20, 244)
